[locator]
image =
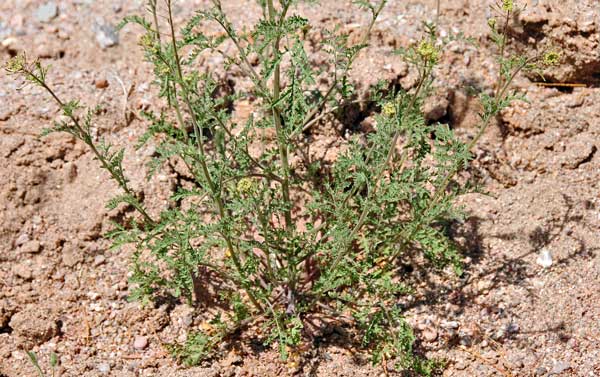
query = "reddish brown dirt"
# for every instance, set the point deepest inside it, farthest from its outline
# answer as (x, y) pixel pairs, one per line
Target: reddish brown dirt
(62, 290)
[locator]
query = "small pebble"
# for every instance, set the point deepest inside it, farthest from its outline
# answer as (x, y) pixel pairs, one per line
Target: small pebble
(150, 151)
(140, 342)
(98, 260)
(450, 325)
(484, 285)
(465, 339)
(101, 83)
(573, 343)
(545, 258)
(430, 335)
(499, 334)
(23, 271)
(93, 295)
(4, 31)
(519, 364)
(22, 239)
(560, 367)
(106, 35)
(104, 368)
(513, 328)
(47, 12)
(71, 255)
(31, 247)
(541, 371)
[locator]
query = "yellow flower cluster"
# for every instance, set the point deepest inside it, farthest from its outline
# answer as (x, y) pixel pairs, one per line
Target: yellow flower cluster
(508, 5)
(148, 42)
(551, 58)
(389, 109)
(428, 51)
(245, 186)
(189, 79)
(164, 70)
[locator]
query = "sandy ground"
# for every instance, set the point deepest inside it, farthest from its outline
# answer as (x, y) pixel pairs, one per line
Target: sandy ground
(63, 291)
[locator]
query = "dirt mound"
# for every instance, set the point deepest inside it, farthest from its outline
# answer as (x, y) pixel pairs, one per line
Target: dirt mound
(571, 28)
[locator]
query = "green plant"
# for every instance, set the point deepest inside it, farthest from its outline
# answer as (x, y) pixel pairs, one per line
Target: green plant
(280, 234)
(34, 361)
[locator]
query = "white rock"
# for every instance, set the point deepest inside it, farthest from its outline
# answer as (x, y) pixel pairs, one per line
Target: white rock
(46, 12)
(545, 258)
(560, 367)
(22, 239)
(450, 324)
(106, 35)
(104, 368)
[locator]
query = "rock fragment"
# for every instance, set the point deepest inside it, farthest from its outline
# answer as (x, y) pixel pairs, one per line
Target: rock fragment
(140, 343)
(579, 150)
(101, 83)
(545, 258)
(104, 368)
(33, 326)
(435, 108)
(430, 335)
(22, 239)
(4, 30)
(559, 367)
(47, 12)
(31, 247)
(71, 256)
(99, 260)
(23, 271)
(106, 35)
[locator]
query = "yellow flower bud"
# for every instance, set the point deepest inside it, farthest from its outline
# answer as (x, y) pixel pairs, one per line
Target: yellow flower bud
(508, 5)
(389, 109)
(551, 58)
(146, 40)
(428, 51)
(245, 186)
(164, 70)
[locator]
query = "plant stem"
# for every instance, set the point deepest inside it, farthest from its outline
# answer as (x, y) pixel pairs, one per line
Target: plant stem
(282, 140)
(224, 23)
(382, 169)
(154, 11)
(86, 138)
(502, 88)
(202, 159)
(351, 59)
(281, 137)
(500, 80)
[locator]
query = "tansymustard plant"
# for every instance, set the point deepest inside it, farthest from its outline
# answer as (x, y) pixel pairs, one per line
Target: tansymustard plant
(240, 222)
